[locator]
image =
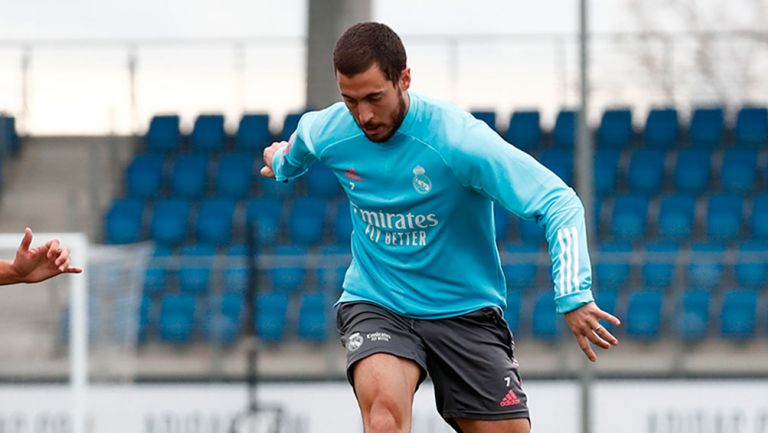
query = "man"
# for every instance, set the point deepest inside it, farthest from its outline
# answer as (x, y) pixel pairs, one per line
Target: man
(32, 265)
(425, 289)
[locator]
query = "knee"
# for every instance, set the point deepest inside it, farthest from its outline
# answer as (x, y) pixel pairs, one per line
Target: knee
(385, 417)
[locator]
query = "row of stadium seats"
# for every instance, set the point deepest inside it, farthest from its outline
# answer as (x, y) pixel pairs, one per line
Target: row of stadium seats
(316, 220)
(213, 221)
(707, 128)
(198, 270)
(235, 174)
(661, 130)
(691, 315)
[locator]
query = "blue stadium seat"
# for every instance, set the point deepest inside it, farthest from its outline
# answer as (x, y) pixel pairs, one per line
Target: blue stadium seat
(164, 134)
(676, 216)
(564, 132)
(321, 182)
(332, 266)
(252, 132)
(613, 265)
(659, 264)
(606, 170)
(214, 221)
(189, 176)
(630, 217)
(644, 315)
(738, 316)
(520, 265)
(752, 126)
(169, 221)
(234, 276)
(545, 322)
(124, 220)
(759, 223)
(489, 117)
(195, 265)
(177, 318)
(501, 219)
(222, 317)
(661, 128)
(724, 216)
(233, 175)
(739, 170)
(692, 168)
(144, 176)
(313, 313)
(706, 128)
(264, 213)
(524, 130)
(705, 270)
(208, 133)
(271, 316)
(290, 123)
(692, 315)
(342, 227)
(560, 162)
(307, 220)
(9, 138)
(512, 310)
(272, 188)
(646, 171)
(157, 271)
(752, 264)
(530, 232)
(615, 129)
(290, 269)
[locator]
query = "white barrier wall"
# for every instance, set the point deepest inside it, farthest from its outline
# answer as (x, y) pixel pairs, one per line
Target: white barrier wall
(620, 406)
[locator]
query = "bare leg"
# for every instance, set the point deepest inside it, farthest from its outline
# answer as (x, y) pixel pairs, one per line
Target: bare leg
(385, 385)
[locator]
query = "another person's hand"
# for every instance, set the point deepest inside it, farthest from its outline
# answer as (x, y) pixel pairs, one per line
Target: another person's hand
(269, 154)
(32, 265)
(585, 325)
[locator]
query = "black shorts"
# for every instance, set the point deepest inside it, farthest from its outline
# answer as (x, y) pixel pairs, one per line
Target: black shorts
(470, 358)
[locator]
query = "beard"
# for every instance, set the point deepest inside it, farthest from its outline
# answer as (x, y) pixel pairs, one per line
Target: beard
(391, 127)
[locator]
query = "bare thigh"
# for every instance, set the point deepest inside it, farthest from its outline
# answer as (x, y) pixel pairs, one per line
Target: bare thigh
(385, 385)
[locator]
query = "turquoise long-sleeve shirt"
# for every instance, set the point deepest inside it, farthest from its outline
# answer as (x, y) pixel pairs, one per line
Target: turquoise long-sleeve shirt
(423, 240)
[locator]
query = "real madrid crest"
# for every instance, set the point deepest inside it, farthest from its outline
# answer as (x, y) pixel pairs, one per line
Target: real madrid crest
(421, 182)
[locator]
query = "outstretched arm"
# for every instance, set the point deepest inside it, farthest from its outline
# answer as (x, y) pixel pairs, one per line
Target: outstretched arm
(32, 265)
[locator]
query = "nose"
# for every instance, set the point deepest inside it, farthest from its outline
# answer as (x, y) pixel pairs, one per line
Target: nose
(365, 114)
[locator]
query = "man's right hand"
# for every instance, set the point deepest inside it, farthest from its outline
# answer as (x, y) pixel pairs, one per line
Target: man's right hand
(269, 154)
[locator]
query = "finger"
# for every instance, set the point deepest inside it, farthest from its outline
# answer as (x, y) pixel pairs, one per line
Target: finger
(267, 172)
(72, 270)
(605, 335)
(609, 317)
(53, 247)
(26, 241)
(62, 261)
(584, 345)
(596, 338)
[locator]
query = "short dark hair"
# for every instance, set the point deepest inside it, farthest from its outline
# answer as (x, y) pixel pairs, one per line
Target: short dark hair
(367, 43)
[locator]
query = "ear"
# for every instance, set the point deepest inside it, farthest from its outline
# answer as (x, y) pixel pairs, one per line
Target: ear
(405, 79)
